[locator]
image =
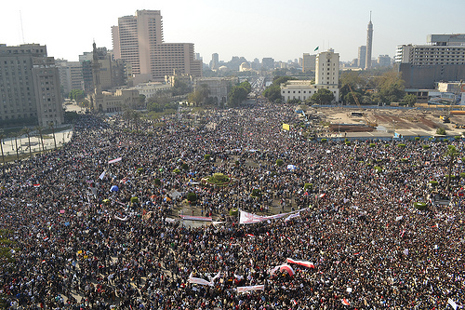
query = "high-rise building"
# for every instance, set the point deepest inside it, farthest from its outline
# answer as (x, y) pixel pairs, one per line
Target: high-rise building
(326, 77)
(327, 68)
(215, 61)
(369, 44)
(70, 75)
(384, 61)
(442, 59)
(113, 72)
(308, 62)
(139, 41)
(268, 63)
(29, 86)
(362, 54)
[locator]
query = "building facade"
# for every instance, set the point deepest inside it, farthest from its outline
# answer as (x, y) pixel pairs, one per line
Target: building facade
(29, 86)
(308, 62)
(138, 40)
(362, 55)
(326, 77)
(442, 59)
(218, 87)
(70, 75)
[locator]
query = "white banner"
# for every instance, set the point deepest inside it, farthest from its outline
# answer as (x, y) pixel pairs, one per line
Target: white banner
(250, 218)
(115, 160)
(243, 289)
(200, 281)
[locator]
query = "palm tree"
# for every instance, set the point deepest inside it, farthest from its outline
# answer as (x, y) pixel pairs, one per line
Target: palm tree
(27, 131)
(16, 142)
(51, 125)
(452, 153)
(39, 129)
(2, 136)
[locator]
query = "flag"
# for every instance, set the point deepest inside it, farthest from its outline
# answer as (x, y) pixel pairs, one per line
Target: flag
(316, 48)
(36, 185)
(286, 126)
(102, 175)
(115, 160)
(300, 262)
(345, 302)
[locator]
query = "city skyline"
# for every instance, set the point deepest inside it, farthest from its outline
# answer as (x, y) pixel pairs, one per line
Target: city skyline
(283, 31)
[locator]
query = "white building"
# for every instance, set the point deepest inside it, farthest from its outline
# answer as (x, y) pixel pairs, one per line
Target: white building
(326, 77)
(445, 49)
(150, 89)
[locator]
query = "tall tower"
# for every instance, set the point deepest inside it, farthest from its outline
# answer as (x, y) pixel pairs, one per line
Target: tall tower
(96, 97)
(369, 44)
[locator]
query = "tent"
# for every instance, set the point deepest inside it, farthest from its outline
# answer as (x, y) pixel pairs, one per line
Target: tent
(114, 188)
(291, 167)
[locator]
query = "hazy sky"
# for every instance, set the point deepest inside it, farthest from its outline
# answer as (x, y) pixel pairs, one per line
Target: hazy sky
(251, 28)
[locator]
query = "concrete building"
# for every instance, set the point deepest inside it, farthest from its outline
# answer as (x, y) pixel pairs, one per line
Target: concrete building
(308, 62)
(215, 61)
(442, 59)
(218, 87)
(327, 68)
(362, 54)
(29, 86)
(369, 44)
(139, 41)
(109, 102)
(70, 75)
(384, 61)
(151, 89)
(268, 63)
(326, 77)
(113, 72)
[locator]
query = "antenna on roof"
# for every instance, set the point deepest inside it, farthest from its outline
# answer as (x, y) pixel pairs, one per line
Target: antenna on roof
(22, 30)
(370, 16)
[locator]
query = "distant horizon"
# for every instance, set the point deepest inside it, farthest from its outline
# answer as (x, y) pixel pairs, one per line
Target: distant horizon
(282, 31)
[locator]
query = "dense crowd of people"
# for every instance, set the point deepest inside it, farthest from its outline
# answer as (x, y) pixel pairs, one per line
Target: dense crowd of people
(78, 245)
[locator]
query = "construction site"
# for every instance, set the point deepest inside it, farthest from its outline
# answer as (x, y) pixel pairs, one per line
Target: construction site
(388, 122)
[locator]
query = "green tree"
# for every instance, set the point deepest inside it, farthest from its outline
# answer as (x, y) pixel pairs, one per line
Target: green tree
(323, 96)
(410, 100)
(161, 97)
(390, 86)
(180, 88)
(350, 79)
(39, 129)
(349, 97)
(77, 95)
(141, 100)
(452, 153)
(2, 137)
(52, 127)
(272, 93)
(195, 98)
(27, 131)
(236, 96)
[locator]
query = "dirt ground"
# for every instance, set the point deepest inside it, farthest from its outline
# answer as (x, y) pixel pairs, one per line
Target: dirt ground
(390, 119)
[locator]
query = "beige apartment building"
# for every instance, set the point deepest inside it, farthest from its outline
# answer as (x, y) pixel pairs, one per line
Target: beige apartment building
(139, 41)
(29, 86)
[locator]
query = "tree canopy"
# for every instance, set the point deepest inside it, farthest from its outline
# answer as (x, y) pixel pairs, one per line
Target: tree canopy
(273, 92)
(323, 96)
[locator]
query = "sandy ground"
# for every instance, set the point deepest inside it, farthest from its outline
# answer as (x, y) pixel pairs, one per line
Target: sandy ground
(390, 119)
